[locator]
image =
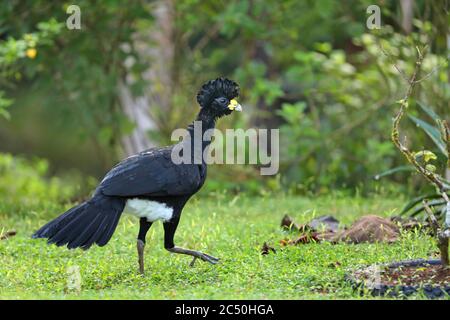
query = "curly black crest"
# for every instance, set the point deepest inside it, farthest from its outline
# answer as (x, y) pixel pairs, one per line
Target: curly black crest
(217, 88)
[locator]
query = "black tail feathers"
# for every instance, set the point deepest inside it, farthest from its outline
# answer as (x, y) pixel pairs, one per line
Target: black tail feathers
(91, 222)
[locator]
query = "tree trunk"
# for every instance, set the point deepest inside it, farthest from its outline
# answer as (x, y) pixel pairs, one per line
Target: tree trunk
(156, 46)
(447, 170)
(443, 241)
(160, 51)
(407, 7)
(136, 109)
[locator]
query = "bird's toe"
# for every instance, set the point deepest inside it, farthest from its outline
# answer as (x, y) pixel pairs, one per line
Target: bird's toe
(210, 259)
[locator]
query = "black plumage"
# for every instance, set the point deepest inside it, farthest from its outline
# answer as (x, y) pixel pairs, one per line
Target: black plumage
(151, 173)
(151, 176)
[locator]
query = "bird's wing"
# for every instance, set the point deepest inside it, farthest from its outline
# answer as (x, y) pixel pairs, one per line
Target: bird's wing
(151, 173)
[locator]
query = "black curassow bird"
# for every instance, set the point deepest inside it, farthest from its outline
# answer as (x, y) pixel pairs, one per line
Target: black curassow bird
(149, 185)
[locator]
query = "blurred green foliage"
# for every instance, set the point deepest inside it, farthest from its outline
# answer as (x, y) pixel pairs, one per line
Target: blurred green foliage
(338, 135)
(26, 183)
(13, 52)
(310, 68)
(80, 72)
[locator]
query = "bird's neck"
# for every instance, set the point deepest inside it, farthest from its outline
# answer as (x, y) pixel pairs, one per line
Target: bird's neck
(197, 130)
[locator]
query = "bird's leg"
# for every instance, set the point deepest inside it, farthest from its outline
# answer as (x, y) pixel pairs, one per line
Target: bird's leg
(140, 248)
(144, 225)
(169, 233)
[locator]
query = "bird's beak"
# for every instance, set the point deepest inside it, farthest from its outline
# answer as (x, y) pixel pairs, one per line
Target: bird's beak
(234, 105)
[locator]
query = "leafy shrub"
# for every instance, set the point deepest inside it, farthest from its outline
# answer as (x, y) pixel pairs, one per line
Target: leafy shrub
(13, 52)
(25, 182)
(336, 134)
(430, 161)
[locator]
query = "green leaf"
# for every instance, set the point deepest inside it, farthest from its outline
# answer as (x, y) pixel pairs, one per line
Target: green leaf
(436, 204)
(394, 170)
(430, 112)
(5, 114)
(445, 183)
(418, 200)
(431, 131)
(426, 155)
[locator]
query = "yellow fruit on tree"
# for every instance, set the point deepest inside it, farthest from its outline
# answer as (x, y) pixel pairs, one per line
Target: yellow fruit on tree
(31, 53)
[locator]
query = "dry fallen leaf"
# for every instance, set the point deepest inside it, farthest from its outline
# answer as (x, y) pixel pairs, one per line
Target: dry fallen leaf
(267, 248)
(8, 234)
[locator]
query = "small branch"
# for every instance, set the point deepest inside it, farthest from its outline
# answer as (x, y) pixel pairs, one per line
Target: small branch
(400, 71)
(403, 74)
(433, 221)
(442, 236)
(431, 72)
(429, 175)
(445, 134)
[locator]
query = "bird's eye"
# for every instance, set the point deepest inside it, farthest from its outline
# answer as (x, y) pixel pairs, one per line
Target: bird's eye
(222, 100)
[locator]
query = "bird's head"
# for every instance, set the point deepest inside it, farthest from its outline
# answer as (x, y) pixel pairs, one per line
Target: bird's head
(218, 97)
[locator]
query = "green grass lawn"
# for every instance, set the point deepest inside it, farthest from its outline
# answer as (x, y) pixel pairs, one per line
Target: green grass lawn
(232, 229)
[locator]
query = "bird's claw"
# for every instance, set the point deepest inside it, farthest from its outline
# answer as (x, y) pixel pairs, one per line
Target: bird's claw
(205, 257)
(208, 258)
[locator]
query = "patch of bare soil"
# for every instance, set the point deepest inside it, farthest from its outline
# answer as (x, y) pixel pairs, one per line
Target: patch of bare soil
(435, 275)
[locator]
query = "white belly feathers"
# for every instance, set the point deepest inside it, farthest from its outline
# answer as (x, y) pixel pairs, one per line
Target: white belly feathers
(151, 210)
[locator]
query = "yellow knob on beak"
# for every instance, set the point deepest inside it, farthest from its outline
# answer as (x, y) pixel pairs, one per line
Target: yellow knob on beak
(234, 105)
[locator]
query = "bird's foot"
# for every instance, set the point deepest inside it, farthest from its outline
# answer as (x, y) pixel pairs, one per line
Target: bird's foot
(208, 258)
(196, 254)
(205, 257)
